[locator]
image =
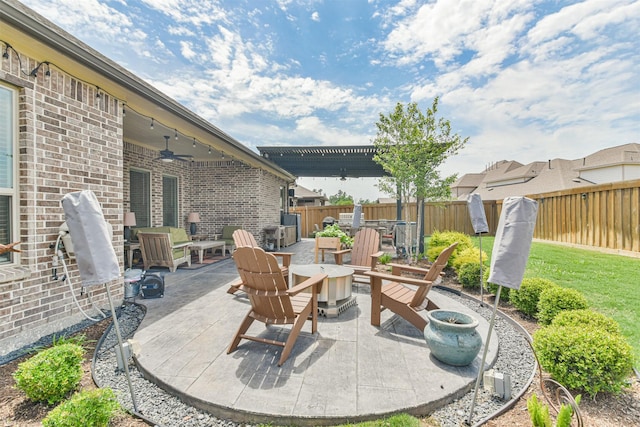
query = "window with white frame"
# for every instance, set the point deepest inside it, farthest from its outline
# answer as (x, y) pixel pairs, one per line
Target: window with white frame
(8, 180)
(169, 201)
(140, 196)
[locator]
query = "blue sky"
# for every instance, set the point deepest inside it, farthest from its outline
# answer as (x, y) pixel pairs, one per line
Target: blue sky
(524, 80)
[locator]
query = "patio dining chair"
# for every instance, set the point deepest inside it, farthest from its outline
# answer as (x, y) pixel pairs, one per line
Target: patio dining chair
(241, 239)
(404, 301)
(272, 302)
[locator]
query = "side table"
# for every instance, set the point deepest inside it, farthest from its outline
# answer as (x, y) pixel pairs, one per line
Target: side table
(129, 247)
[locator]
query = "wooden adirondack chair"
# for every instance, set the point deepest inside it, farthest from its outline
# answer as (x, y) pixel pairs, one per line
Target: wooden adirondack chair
(402, 300)
(272, 302)
(364, 253)
(242, 239)
(157, 251)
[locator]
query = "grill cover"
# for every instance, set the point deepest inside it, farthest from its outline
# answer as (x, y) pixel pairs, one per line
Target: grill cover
(97, 260)
(513, 241)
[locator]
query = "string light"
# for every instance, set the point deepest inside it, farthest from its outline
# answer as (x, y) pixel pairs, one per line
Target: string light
(176, 131)
(98, 92)
(124, 111)
(194, 143)
(209, 150)
(151, 123)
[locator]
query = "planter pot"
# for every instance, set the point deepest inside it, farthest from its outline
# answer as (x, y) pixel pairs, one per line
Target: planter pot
(452, 337)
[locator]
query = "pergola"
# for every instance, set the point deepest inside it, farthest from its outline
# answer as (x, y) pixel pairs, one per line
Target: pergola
(349, 161)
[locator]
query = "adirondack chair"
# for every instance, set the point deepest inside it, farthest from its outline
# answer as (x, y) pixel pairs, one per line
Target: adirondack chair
(157, 251)
(364, 252)
(241, 239)
(402, 300)
(272, 302)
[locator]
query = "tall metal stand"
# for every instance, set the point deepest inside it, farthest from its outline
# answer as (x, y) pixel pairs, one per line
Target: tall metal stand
(126, 363)
(484, 355)
(481, 275)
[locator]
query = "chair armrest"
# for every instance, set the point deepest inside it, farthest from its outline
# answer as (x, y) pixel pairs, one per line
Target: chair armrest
(338, 255)
(401, 279)
(286, 257)
(181, 245)
(397, 269)
(216, 236)
(312, 281)
(374, 259)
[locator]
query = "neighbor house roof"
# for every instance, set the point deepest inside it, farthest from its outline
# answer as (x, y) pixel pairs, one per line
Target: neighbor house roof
(510, 178)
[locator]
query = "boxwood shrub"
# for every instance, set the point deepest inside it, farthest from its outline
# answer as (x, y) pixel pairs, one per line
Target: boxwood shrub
(584, 357)
(90, 408)
(466, 256)
(587, 317)
(526, 298)
(51, 374)
(469, 275)
(555, 299)
(442, 239)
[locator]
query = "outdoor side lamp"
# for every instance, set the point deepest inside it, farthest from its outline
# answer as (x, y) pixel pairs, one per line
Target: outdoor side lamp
(129, 221)
(193, 218)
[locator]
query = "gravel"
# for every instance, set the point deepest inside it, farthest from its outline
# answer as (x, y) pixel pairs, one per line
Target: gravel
(515, 358)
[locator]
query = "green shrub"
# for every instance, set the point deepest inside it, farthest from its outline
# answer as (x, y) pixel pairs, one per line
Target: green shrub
(555, 299)
(51, 374)
(586, 317)
(526, 298)
(469, 275)
(584, 357)
(447, 238)
(466, 256)
(444, 239)
(384, 258)
(93, 408)
(538, 412)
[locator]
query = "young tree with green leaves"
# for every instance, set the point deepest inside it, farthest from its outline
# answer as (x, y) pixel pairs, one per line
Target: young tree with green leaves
(411, 145)
(341, 198)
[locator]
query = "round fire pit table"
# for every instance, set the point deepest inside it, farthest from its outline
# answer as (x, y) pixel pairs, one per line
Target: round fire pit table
(335, 295)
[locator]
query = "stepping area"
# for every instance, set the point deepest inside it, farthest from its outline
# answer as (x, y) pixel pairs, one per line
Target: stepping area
(348, 371)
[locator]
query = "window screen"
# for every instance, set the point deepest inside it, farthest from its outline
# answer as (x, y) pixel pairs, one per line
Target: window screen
(140, 196)
(170, 201)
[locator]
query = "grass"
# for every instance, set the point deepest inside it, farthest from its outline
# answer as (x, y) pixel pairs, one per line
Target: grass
(609, 282)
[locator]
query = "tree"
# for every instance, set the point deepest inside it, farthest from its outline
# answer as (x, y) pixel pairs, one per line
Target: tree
(411, 146)
(341, 198)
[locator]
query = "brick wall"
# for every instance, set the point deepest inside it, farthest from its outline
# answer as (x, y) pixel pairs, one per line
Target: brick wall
(225, 192)
(69, 139)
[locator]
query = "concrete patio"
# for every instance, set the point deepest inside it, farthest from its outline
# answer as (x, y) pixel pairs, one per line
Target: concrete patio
(348, 371)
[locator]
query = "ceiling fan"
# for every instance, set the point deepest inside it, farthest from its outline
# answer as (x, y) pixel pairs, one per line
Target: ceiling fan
(167, 155)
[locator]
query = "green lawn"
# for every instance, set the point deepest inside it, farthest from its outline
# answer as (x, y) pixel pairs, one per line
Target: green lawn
(611, 283)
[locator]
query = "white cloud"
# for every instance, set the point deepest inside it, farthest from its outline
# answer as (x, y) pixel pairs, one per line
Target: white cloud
(315, 16)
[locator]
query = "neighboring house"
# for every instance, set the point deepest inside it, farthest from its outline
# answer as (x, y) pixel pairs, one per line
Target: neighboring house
(305, 197)
(510, 178)
(71, 119)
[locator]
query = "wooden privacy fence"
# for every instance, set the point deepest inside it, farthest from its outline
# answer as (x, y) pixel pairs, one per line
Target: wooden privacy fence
(605, 216)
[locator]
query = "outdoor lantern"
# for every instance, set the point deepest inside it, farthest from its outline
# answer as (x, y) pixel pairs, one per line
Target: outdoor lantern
(193, 218)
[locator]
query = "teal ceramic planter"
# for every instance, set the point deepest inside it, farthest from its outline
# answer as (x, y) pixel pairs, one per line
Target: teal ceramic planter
(452, 337)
